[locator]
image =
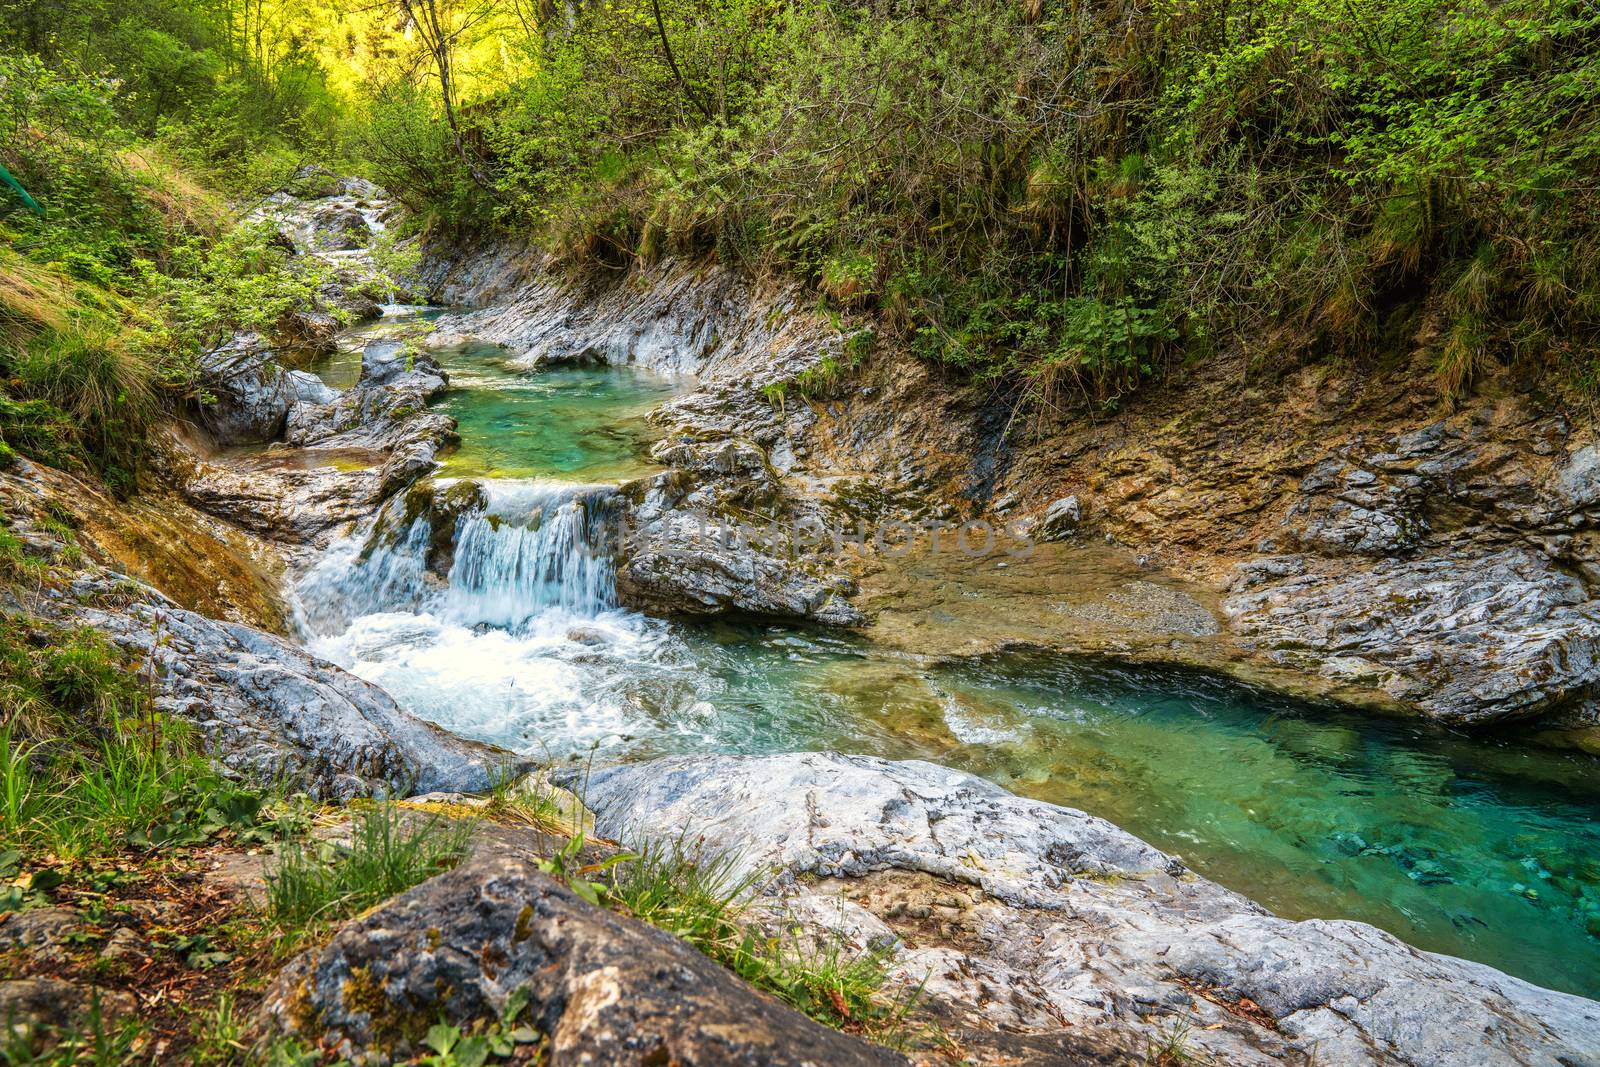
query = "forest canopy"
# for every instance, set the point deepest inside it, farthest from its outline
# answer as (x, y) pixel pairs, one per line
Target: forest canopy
(1069, 197)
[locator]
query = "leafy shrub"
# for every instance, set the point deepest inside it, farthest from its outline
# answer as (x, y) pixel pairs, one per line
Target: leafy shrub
(1083, 195)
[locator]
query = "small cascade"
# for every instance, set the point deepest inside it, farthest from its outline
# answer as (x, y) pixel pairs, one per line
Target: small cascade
(383, 568)
(532, 547)
(537, 546)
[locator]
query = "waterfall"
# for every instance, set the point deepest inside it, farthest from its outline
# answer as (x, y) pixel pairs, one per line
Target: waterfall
(537, 546)
(533, 547)
(379, 569)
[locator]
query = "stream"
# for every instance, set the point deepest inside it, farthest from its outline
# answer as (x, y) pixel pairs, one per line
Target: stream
(1471, 846)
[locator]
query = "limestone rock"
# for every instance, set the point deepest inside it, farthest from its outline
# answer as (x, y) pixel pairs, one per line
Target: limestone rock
(1352, 511)
(847, 815)
(384, 420)
(1085, 925)
(1465, 637)
(336, 228)
(38, 931)
(675, 317)
(27, 1003)
(276, 714)
(252, 393)
(684, 563)
(1061, 518)
(604, 989)
(386, 409)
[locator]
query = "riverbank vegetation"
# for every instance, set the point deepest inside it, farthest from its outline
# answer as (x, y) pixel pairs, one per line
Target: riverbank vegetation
(132, 144)
(1068, 199)
(1073, 197)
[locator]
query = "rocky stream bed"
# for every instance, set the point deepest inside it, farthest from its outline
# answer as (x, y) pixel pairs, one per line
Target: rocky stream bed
(1253, 612)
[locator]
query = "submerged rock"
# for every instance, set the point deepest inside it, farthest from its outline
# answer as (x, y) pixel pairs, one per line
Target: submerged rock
(1080, 923)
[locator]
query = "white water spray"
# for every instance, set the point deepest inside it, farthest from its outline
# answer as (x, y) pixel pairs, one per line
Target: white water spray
(520, 642)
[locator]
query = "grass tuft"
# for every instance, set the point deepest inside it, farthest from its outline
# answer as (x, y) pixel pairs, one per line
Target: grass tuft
(390, 850)
(703, 897)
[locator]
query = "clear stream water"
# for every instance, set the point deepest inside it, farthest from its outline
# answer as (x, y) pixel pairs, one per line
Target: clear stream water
(1469, 846)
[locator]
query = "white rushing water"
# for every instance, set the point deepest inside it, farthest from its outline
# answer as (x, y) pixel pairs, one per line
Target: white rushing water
(522, 643)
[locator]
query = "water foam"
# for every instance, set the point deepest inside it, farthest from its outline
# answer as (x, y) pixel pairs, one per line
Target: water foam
(521, 643)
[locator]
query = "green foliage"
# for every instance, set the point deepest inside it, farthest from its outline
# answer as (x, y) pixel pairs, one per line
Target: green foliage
(399, 134)
(244, 280)
(219, 1035)
(117, 119)
(1075, 196)
(87, 768)
(452, 1047)
(94, 1042)
(390, 850)
(568, 866)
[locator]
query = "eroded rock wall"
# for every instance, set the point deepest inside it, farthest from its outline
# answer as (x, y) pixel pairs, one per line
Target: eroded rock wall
(1365, 545)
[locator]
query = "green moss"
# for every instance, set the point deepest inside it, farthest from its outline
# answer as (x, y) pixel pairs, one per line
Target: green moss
(392, 1024)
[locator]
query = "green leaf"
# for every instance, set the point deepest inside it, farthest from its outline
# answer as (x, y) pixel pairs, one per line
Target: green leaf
(472, 1052)
(42, 881)
(442, 1037)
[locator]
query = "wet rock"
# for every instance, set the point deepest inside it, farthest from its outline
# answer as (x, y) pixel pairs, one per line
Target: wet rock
(1463, 637)
(1085, 925)
(685, 563)
(314, 181)
(386, 410)
(251, 392)
(336, 228)
(276, 714)
(383, 424)
(288, 504)
(384, 362)
(601, 988)
(441, 504)
(308, 389)
(712, 458)
(1060, 520)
